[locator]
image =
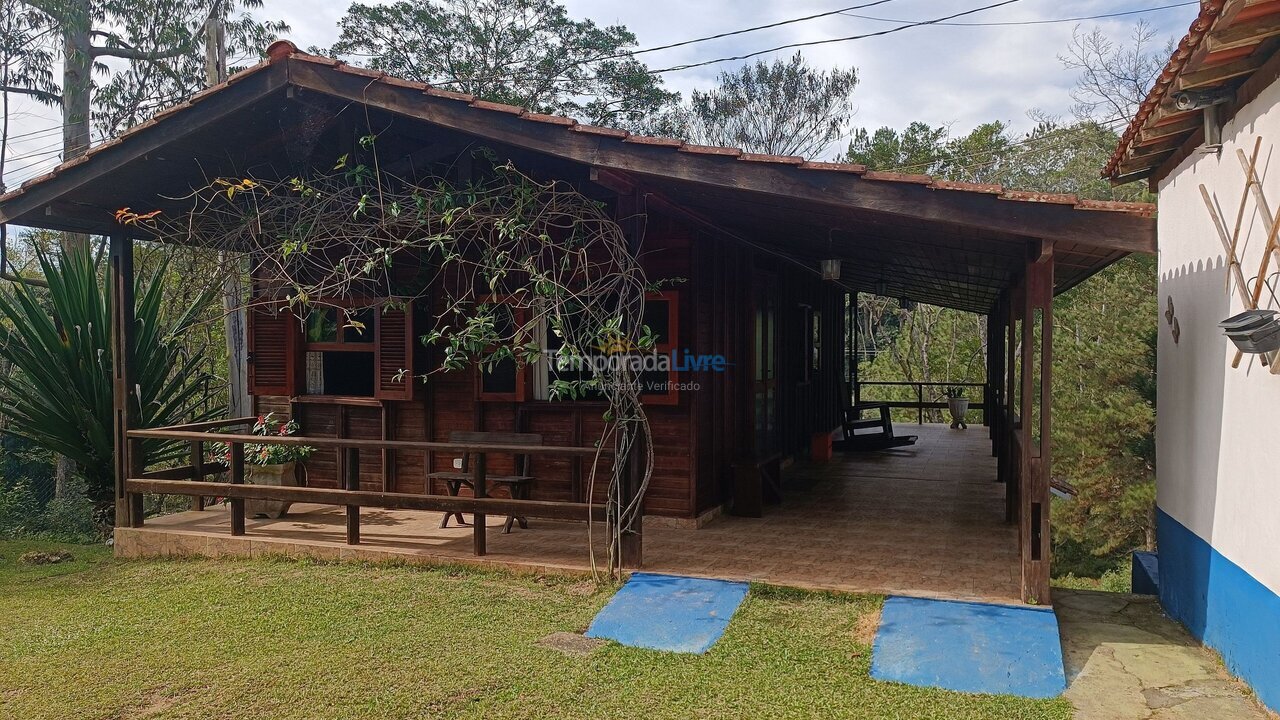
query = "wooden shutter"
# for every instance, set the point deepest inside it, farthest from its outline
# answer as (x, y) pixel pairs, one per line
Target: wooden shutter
(394, 358)
(273, 351)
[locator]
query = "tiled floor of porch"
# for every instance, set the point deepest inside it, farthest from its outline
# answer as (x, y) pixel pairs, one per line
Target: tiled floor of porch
(926, 520)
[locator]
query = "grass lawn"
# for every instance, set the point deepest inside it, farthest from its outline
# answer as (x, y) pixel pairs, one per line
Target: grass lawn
(97, 638)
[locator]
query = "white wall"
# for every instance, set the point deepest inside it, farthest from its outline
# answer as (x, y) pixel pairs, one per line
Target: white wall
(1218, 428)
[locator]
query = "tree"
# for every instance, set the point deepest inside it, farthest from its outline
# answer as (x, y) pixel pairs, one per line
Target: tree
(156, 38)
(920, 148)
(521, 52)
(1104, 409)
(144, 87)
(58, 342)
(25, 64)
(778, 108)
(1113, 78)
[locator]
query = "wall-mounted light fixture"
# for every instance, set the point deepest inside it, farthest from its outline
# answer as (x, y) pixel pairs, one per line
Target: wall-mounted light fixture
(1254, 331)
(831, 269)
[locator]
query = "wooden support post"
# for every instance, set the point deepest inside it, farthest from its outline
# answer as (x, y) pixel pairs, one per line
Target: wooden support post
(197, 472)
(136, 468)
(123, 399)
(1013, 382)
(237, 478)
(351, 481)
(1035, 401)
(478, 530)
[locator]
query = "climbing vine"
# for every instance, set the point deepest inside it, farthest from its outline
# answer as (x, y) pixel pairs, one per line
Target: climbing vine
(508, 266)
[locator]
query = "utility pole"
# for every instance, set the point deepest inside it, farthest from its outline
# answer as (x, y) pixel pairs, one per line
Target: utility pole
(233, 266)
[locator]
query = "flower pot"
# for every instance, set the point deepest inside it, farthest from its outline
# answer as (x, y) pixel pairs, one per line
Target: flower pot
(283, 475)
(958, 407)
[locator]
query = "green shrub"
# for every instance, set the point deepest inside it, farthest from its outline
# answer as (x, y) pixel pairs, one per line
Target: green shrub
(70, 518)
(19, 510)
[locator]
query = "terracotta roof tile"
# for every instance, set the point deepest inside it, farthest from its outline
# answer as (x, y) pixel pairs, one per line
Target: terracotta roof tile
(834, 166)
(711, 150)
(400, 82)
(281, 49)
(1146, 209)
(497, 107)
(73, 162)
(886, 176)
(989, 188)
(761, 157)
(235, 78)
(602, 131)
(362, 72)
(549, 119)
(1209, 12)
(12, 194)
(39, 179)
(659, 141)
(316, 59)
(1041, 197)
(171, 110)
(284, 50)
(449, 94)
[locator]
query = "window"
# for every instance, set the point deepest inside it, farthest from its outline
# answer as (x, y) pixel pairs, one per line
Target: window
(340, 349)
(505, 381)
(662, 317)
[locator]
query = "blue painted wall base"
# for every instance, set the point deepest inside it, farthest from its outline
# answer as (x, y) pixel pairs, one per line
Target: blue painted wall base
(1223, 606)
(669, 612)
(969, 647)
(1145, 576)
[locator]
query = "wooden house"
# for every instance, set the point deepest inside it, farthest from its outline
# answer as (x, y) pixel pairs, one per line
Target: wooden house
(747, 234)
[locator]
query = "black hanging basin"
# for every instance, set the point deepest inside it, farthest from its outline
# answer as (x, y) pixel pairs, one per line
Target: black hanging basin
(1254, 331)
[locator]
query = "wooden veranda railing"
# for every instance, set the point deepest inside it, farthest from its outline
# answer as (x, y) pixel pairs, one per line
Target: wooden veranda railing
(920, 404)
(190, 479)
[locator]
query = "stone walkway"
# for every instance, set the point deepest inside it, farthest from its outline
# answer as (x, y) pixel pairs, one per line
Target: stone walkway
(1126, 661)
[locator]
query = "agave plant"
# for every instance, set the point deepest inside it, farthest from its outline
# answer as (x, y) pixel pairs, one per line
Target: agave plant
(58, 340)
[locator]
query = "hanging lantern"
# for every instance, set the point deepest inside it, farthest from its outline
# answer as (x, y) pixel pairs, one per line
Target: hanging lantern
(831, 269)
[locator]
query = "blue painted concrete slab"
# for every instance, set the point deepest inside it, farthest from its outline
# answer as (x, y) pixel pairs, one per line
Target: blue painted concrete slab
(1145, 575)
(668, 612)
(969, 647)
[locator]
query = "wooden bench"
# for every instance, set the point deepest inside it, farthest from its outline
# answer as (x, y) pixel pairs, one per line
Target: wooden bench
(853, 420)
(884, 439)
(519, 485)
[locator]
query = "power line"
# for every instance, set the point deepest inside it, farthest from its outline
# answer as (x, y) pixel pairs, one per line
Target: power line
(1030, 22)
(935, 21)
(45, 131)
(731, 33)
(717, 36)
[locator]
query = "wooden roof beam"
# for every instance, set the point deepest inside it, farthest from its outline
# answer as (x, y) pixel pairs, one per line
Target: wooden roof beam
(1219, 74)
(213, 110)
(1244, 34)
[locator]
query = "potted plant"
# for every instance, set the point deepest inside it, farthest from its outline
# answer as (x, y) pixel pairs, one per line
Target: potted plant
(269, 464)
(957, 405)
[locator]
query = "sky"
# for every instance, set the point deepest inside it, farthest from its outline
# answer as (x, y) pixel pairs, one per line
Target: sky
(960, 76)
